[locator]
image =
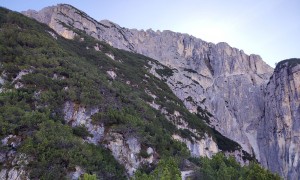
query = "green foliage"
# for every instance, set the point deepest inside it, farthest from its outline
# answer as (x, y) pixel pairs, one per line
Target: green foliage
(34, 111)
(167, 169)
(166, 72)
(187, 134)
(143, 153)
(81, 131)
(88, 177)
(224, 143)
(52, 147)
(223, 168)
(56, 150)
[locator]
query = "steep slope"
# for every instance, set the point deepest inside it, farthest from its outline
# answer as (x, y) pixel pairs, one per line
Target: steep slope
(218, 79)
(280, 128)
(78, 106)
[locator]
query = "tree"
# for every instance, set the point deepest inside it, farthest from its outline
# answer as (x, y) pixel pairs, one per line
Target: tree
(222, 168)
(167, 169)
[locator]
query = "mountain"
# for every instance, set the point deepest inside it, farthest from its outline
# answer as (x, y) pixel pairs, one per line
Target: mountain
(94, 105)
(215, 78)
(80, 108)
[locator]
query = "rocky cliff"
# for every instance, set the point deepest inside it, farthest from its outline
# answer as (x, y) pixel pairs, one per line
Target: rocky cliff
(279, 130)
(208, 77)
(125, 149)
(220, 83)
(74, 108)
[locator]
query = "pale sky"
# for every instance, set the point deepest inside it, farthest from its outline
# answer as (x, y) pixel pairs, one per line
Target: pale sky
(270, 28)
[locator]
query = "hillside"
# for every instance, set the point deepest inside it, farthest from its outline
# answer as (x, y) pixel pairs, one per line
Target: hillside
(228, 88)
(220, 79)
(70, 107)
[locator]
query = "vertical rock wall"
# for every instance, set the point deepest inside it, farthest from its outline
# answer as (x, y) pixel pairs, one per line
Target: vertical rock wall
(279, 133)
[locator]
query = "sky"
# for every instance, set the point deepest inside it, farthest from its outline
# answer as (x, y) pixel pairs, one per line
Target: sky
(269, 28)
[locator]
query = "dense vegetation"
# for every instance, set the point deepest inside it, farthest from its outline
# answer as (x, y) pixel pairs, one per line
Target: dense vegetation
(217, 168)
(56, 70)
(33, 111)
(223, 168)
(167, 169)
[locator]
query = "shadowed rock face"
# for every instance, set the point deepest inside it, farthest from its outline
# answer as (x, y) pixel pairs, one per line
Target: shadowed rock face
(280, 128)
(214, 78)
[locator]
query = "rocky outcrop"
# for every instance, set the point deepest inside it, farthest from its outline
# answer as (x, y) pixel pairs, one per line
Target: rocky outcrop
(75, 175)
(13, 164)
(280, 128)
(2, 81)
(204, 147)
(51, 18)
(126, 150)
(77, 115)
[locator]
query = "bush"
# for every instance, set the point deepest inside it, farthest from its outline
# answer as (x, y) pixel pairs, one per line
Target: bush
(143, 153)
(221, 167)
(88, 177)
(81, 131)
(166, 169)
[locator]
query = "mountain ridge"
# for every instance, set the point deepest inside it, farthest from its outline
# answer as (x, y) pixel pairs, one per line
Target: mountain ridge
(107, 23)
(213, 77)
(218, 83)
(75, 107)
(182, 52)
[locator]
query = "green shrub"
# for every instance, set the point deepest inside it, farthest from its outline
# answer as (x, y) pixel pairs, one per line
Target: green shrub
(166, 169)
(166, 72)
(221, 167)
(88, 177)
(81, 131)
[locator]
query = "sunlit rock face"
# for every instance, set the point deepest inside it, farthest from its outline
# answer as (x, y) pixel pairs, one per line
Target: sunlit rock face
(280, 128)
(77, 115)
(126, 150)
(204, 147)
(215, 78)
(50, 17)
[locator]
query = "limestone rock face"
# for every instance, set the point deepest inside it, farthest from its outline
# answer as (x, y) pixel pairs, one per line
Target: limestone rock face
(280, 128)
(51, 15)
(13, 163)
(215, 78)
(125, 149)
(204, 147)
(218, 78)
(77, 115)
